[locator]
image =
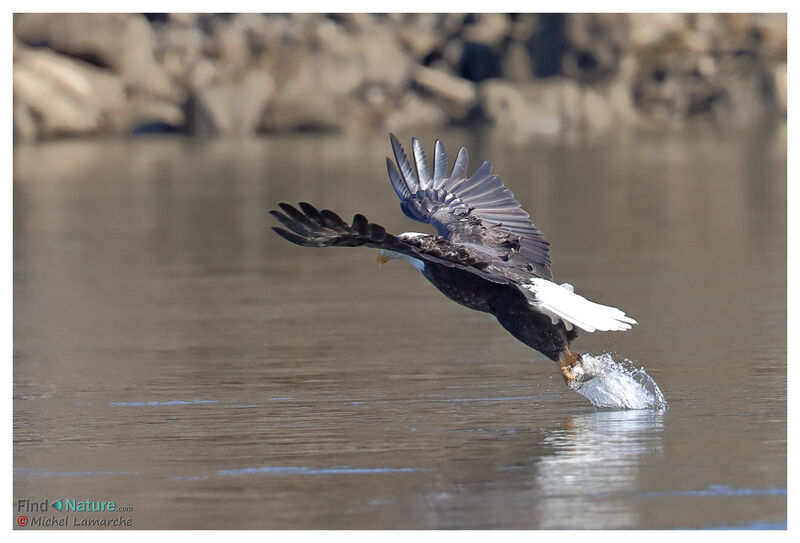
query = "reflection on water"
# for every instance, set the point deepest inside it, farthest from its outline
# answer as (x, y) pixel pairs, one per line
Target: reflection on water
(173, 353)
(595, 468)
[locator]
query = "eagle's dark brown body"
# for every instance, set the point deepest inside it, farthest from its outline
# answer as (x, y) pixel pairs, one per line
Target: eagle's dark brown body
(511, 308)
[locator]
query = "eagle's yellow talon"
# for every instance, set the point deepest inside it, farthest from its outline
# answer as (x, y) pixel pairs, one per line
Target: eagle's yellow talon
(569, 361)
(568, 377)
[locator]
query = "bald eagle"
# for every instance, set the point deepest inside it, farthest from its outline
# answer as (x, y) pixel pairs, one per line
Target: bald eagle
(487, 256)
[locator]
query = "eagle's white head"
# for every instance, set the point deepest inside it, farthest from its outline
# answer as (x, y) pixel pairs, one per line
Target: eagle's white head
(385, 255)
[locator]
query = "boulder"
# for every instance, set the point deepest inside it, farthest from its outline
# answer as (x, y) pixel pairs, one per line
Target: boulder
(25, 128)
(557, 106)
(523, 110)
(445, 85)
(523, 26)
(181, 50)
(150, 114)
(597, 113)
(310, 90)
(779, 87)
(384, 61)
(596, 41)
(233, 108)
(649, 29)
(123, 42)
(66, 96)
(517, 64)
(419, 42)
(488, 29)
(414, 112)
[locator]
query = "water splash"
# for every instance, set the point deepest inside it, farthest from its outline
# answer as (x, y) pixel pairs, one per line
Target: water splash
(608, 383)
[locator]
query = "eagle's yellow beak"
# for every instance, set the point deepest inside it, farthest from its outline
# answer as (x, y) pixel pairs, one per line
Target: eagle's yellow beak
(383, 258)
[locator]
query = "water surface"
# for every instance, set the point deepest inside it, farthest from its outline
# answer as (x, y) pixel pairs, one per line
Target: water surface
(173, 354)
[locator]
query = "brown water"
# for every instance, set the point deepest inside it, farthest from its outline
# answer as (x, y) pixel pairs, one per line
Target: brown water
(173, 355)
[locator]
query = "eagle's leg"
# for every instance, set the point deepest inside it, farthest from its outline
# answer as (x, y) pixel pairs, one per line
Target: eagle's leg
(568, 361)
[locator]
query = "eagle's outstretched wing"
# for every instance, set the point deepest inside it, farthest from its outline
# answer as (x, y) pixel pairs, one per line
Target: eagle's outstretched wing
(312, 228)
(477, 210)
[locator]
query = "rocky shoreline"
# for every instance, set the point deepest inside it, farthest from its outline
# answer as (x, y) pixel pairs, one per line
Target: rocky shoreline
(532, 75)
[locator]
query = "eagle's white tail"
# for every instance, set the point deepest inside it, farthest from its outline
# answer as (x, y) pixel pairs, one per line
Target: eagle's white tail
(559, 302)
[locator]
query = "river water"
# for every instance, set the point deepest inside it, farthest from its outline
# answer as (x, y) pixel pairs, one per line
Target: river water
(173, 355)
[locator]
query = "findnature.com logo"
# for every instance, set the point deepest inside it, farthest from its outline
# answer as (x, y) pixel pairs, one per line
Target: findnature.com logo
(43, 514)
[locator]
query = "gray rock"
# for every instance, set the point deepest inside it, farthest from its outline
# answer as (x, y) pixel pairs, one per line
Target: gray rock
(489, 29)
(779, 86)
(124, 42)
(419, 42)
(648, 29)
(597, 113)
(384, 61)
(233, 109)
(414, 112)
(67, 97)
(184, 20)
(445, 85)
(229, 45)
(251, 72)
(452, 52)
(523, 27)
(332, 84)
(147, 110)
(181, 50)
(523, 110)
(203, 74)
(596, 41)
(311, 90)
(358, 22)
(517, 65)
(25, 128)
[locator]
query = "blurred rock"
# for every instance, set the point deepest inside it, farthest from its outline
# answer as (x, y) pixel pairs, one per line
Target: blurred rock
(452, 53)
(780, 87)
(532, 109)
(517, 66)
(201, 75)
(65, 96)
(523, 26)
(231, 46)
(419, 42)
(181, 50)
(184, 20)
(488, 28)
(457, 97)
(145, 111)
(234, 108)
(358, 22)
(452, 88)
(597, 41)
(556, 106)
(479, 62)
(648, 29)
(597, 114)
(533, 74)
(384, 61)
(548, 43)
(311, 90)
(25, 128)
(122, 42)
(413, 112)
(772, 33)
